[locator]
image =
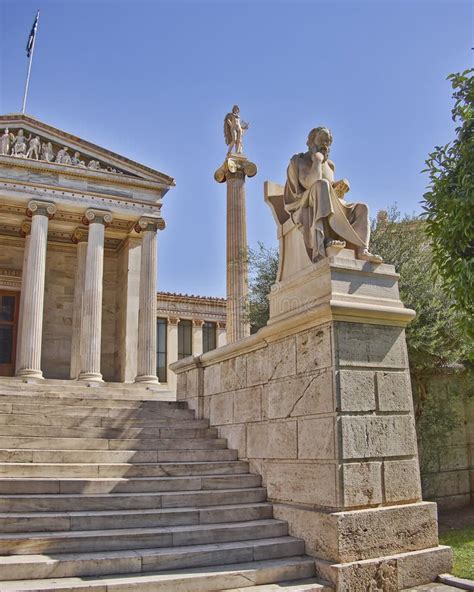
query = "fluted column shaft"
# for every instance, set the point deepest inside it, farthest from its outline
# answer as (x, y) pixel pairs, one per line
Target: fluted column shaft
(31, 324)
(197, 337)
(146, 360)
(91, 322)
(172, 350)
(237, 271)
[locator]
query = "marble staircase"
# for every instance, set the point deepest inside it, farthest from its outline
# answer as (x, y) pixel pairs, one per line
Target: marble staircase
(113, 490)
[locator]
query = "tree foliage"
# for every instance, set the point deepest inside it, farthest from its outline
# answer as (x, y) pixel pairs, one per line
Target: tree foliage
(263, 267)
(449, 204)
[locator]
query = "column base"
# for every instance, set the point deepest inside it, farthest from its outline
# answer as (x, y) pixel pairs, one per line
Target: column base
(29, 373)
(147, 379)
(90, 377)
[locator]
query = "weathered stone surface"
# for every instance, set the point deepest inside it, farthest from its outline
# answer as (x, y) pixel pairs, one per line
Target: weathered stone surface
(192, 384)
(222, 409)
(362, 577)
(313, 349)
(356, 390)
(277, 439)
(256, 365)
(394, 391)
(424, 566)
(377, 532)
(234, 374)
(369, 437)
(402, 480)
(358, 344)
(298, 396)
(316, 438)
(280, 359)
(362, 483)
(212, 379)
(248, 405)
(236, 436)
(446, 484)
(301, 482)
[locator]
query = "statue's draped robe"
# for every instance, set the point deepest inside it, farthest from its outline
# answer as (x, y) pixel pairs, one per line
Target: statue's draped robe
(310, 207)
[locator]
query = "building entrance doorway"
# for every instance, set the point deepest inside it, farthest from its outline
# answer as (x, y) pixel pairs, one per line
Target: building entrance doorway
(9, 308)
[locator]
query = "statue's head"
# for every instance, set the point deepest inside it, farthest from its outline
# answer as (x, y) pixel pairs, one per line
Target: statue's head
(320, 139)
(20, 132)
(235, 110)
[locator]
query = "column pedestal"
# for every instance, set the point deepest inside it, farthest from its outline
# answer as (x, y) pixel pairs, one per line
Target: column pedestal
(31, 323)
(91, 324)
(146, 362)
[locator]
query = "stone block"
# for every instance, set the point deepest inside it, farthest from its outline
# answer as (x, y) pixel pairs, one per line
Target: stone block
(443, 484)
(394, 391)
(298, 395)
(402, 480)
(375, 437)
(313, 349)
(454, 458)
(234, 374)
(181, 386)
(256, 367)
(362, 483)
(316, 438)
(192, 383)
(375, 532)
(222, 409)
(277, 439)
(248, 405)
(356, 390)
(212, 379)
(236, 438)
(301, 482)
(358, 344)
(423, 566)
(280, 359)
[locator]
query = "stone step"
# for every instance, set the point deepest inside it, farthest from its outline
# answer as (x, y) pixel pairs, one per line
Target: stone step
(139, 518)
(15, 486)
(306, 585)
(115, 456)
(27, 431)
(44, 443)
(92, 541)
(92, 411)
(45, 399)
(100, 422)
(128, 501)
(63, 565)
(197, 579)
(122, 470)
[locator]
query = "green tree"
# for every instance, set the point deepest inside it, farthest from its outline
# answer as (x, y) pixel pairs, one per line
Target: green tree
(263, 267)
(449, 205)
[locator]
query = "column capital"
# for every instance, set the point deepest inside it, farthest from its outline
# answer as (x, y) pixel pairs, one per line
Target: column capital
(173, 320)
(80, 235)
(149, 223)
(40, 208)
(234, 167)
(221, 325)
(198, 323)
(93, 216)
(25, 228)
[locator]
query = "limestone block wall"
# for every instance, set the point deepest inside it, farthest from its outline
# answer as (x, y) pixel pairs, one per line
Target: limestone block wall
(448, 469)
(109, 303)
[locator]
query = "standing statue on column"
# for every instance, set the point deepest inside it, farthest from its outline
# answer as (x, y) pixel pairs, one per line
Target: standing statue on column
(234, 129)
(315, 202)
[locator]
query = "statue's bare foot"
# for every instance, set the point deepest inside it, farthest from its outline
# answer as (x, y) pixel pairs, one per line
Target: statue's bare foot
(366, 255)
(334, 243)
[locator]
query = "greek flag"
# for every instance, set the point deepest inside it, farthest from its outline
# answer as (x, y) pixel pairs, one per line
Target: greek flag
(31, 38)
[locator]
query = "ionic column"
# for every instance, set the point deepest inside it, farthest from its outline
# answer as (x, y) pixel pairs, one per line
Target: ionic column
(197, 337)
(31, 324)
(233, 172)
(172, 350)
(221, 334)
(79, 237)
(146, 359)
(91, 322)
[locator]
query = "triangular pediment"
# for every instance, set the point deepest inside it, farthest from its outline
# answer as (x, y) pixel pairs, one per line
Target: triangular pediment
(32, 140)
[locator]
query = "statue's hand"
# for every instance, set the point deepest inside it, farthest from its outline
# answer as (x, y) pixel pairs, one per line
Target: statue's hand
(341, 187)
(317, 157)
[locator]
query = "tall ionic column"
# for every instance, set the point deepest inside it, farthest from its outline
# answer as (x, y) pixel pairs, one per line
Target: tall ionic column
(146, 360)
(31, 324)
(234, 170)
(79, 237)
(91, 322)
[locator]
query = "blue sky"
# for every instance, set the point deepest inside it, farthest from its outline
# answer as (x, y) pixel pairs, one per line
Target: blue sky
(152, 80)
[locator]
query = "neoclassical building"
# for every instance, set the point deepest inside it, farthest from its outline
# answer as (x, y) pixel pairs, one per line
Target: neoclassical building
(78, 237)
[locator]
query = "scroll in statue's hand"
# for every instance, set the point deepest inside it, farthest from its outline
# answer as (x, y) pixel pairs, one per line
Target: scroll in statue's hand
(341, 187)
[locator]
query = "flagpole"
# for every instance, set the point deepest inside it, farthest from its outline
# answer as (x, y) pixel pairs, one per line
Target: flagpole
(29, 66)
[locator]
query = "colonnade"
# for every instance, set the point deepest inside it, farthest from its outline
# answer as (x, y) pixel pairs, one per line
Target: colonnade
(87, 316)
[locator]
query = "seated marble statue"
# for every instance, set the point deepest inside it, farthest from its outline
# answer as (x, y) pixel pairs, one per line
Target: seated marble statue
(315, 202)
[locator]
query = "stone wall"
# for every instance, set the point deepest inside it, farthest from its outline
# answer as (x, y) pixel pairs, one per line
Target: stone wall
(320, 405)
(448, 466)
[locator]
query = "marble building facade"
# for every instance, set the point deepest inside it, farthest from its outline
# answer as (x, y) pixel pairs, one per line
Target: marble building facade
(78, 242)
